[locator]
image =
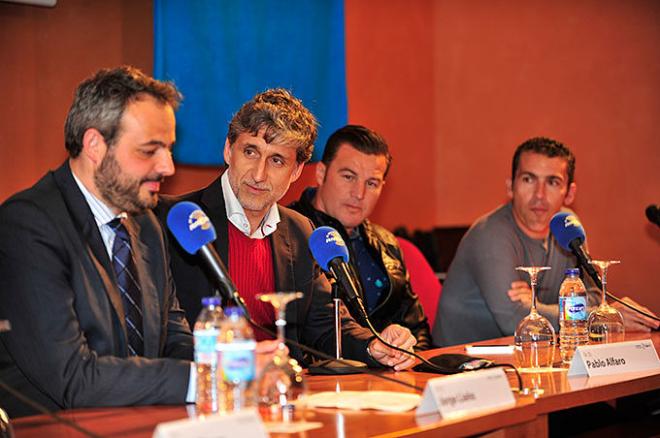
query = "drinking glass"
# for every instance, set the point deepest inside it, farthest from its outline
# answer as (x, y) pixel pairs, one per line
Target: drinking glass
(534, 337)
(605, 322)
(281, 387)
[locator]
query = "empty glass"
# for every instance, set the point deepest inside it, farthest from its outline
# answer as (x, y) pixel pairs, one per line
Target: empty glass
(605, 322)
(534, 337)
(280, 388)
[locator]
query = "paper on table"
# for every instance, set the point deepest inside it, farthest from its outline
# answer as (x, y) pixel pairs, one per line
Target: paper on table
(380, 400)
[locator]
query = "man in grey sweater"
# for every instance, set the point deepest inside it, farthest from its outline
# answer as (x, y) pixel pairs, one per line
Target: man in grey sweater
(484, 297)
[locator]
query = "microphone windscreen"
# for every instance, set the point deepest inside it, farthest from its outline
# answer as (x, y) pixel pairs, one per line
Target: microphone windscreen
(326, 244)
(653, 214)
(191, 227)
(566, 227)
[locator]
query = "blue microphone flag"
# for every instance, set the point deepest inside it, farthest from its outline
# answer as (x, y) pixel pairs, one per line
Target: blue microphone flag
(566, 227)
(326, 244)
(191, 227)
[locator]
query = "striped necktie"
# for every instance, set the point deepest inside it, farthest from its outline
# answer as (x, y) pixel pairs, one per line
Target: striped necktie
(129, 286)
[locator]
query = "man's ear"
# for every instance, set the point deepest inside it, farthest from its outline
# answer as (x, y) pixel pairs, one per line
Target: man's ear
(570, 194)
(296, 173)
(509, 188)
(94, 146)
(226, 153)
(320, 172)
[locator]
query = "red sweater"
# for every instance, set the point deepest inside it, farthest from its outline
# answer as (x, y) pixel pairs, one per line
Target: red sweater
(251, 268)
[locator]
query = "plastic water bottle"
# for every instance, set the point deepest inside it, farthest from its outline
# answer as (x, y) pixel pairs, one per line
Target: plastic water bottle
(236, 349)
(206, 333)
(572, 315)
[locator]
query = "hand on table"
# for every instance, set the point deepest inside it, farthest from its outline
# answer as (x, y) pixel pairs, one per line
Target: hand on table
(400, 337)
(633, 321)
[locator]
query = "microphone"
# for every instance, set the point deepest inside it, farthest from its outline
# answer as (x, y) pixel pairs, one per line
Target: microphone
(330, 252)
(194, 231)
(570, 235)
(653, 214)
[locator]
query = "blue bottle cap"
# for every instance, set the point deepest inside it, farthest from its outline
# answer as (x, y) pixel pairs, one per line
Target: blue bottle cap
(572, 271)
(211, 301)
(234, 311)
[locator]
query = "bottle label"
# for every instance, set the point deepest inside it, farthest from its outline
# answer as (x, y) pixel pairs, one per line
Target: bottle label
(205, 346)
(238, 361)
(573, 308)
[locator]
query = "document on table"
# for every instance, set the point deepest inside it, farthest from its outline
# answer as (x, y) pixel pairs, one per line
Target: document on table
(389, 401)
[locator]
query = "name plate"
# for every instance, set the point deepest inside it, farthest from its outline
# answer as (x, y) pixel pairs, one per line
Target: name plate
(608, 359)
(246, 424)
(461, 394)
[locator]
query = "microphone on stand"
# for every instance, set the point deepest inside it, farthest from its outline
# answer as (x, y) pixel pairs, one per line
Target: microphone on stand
(330, 252)
(570, 235)
(195, 233)
(333, 259)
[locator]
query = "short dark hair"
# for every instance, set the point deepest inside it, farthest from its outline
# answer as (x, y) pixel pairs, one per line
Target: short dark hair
(100, 102)
(548, 147)
(359, 137)
(283, 116)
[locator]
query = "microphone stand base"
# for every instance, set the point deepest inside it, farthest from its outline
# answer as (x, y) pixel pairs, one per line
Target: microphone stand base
(334, 367)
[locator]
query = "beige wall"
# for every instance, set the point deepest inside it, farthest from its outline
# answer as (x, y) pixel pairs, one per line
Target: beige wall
(453, 85)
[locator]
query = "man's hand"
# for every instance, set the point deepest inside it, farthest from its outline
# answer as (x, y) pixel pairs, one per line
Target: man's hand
(633, 321)
(400, 337)
(264, 354)
(520, 291)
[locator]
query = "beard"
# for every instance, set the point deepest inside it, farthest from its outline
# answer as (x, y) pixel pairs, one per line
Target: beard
(121, 190)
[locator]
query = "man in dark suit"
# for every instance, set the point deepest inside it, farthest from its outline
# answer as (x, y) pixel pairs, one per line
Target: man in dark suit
(269, 140)
(84, 268)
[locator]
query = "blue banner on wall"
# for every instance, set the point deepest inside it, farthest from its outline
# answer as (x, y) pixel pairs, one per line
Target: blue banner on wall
(221, 53)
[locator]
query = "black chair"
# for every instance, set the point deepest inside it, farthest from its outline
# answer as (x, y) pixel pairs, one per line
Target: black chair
(438, 245)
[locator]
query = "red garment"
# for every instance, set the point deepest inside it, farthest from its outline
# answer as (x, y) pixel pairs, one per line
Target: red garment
(251, 268)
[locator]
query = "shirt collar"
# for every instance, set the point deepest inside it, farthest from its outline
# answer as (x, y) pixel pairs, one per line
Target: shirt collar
(102, 213)
(236, 213)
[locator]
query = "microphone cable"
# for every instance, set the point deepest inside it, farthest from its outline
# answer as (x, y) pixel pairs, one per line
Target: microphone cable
(506, 366)
(630, 306)
(322, 355)
(599, 284)
(442, 371)
(428, 363)
(39, 407)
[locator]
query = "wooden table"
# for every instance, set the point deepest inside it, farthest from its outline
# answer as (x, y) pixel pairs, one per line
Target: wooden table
(527, 418)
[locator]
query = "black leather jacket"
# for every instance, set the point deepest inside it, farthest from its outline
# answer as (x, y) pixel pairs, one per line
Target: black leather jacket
(401, 305)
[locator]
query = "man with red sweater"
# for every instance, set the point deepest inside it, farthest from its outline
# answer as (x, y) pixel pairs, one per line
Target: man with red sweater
(269, 141)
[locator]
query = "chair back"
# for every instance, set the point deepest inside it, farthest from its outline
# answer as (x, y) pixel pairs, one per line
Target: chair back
(422, 278)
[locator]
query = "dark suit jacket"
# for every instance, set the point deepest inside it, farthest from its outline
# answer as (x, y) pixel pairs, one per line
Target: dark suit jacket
(310, 319)
(68, 346)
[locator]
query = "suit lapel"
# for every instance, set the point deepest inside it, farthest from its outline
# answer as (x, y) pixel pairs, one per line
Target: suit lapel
(84, 221)
(285, 273)
(213, 203)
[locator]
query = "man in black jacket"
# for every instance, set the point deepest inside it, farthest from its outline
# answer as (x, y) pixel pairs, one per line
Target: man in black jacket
(350, 180)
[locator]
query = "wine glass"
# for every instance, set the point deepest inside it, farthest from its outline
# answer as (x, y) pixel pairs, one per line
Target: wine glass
(281, 386)
(534, 337)
(605, 322)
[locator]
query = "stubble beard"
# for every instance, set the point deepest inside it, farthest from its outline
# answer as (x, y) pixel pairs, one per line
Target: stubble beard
(120, 190)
